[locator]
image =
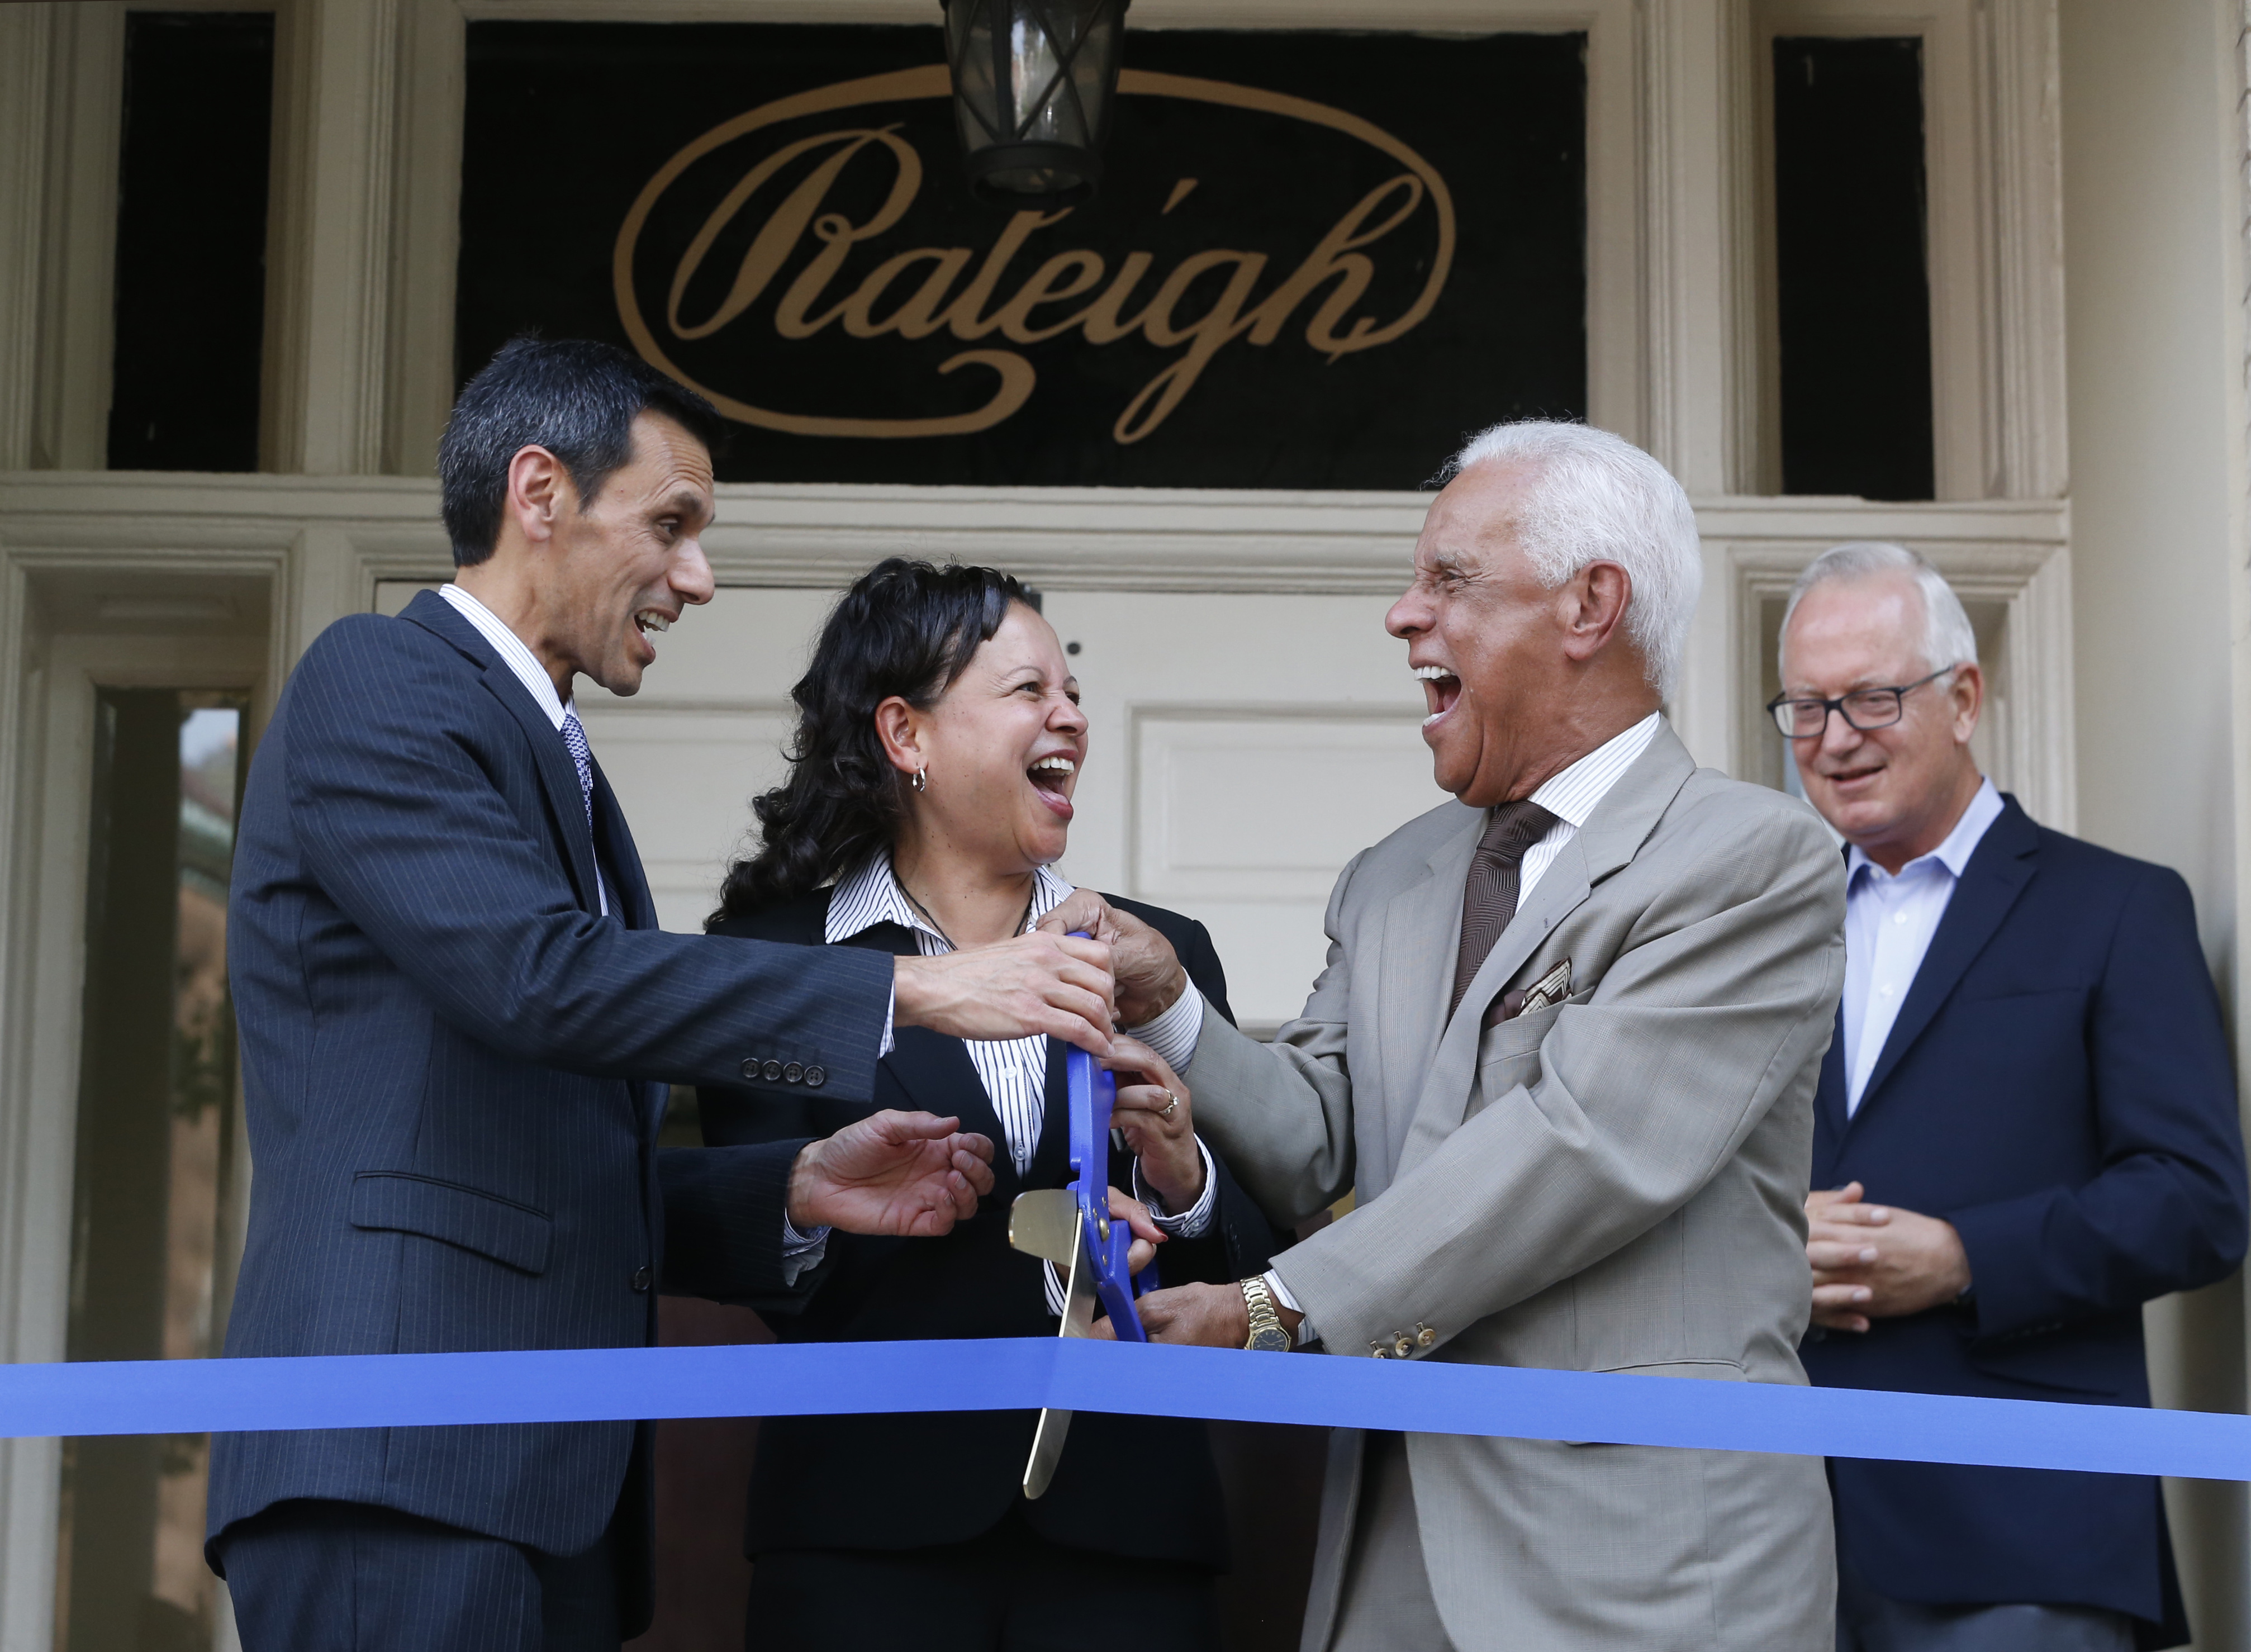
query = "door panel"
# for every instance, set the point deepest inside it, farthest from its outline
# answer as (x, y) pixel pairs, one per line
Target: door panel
(1243, 749)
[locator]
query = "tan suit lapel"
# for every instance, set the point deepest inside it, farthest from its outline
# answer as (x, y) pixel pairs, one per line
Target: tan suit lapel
(1613, 835)
(1422, 928)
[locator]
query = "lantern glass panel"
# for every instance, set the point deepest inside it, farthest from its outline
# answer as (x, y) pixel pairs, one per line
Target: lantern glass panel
(1032, 82)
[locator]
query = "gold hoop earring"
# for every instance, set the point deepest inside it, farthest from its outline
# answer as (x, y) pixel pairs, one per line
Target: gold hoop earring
(921, 780)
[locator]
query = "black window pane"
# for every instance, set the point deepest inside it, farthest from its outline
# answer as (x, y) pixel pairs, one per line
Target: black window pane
(191, 241)
(1854, 289)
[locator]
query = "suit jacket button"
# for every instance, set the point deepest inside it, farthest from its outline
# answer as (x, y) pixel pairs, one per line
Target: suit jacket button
(1378, 1350)
(792, 1072)
(770, 1072)
(1404, 1348)
(751, 1069)
(815, 1076)
(640, 1279)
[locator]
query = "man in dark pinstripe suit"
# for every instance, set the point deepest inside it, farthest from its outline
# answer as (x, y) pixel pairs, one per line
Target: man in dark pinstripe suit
(457, 1020)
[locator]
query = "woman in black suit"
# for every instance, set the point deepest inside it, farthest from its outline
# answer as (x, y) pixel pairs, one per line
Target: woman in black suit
(938, 743)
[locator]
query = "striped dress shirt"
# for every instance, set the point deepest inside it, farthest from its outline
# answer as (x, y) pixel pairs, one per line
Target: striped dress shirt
(530, 672)
(1013, 1071)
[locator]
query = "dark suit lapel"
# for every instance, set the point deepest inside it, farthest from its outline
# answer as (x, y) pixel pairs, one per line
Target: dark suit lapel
(1829, 1094)
(558, 775)
(629, 890)
(1051, 1165)
(1829, 1097)
(934, 1070)
(1999, 870)
(938, 1077)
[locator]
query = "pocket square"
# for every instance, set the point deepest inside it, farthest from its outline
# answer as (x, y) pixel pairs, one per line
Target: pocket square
(1551, 989)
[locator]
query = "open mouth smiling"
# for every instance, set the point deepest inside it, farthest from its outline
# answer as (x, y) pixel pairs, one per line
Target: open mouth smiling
(1051, 778)
(1441, 689)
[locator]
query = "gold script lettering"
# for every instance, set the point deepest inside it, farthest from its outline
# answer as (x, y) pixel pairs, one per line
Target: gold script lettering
(1334, 257)
(977, 311)
(1203, 336)
(779, 233)
(919, 317)
(1048, 285)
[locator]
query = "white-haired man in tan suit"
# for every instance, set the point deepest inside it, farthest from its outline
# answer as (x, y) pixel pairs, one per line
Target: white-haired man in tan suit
(1565, 1048)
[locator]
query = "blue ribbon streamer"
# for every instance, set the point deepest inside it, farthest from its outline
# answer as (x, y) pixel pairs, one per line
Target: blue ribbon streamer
(151, 1397)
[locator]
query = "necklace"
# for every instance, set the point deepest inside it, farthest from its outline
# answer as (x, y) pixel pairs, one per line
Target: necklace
(931, 919)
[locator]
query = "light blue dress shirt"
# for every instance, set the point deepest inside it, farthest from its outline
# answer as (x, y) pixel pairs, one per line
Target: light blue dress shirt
(1889, 919)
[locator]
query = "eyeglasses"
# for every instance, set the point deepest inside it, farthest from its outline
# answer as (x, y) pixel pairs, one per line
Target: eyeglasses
(1862, 709)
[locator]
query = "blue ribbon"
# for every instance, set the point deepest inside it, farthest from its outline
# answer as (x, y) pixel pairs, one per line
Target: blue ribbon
(1430, 1396)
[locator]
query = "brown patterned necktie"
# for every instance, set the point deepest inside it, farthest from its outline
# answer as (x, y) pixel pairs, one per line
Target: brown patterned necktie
(1489, 897)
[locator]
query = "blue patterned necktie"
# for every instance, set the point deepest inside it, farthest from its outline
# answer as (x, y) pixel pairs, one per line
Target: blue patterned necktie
(574, 737)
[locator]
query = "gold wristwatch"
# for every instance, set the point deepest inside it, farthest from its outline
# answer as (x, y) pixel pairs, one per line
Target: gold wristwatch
(1266, 1333)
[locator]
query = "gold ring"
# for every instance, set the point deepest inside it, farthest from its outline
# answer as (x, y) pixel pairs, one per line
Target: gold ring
(1172, 1104)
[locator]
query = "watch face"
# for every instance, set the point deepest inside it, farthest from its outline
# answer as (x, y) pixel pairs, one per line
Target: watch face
(1270, 1340)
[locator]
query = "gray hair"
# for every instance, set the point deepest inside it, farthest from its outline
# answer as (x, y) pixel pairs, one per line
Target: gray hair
(1948, 638)
(1596, 497)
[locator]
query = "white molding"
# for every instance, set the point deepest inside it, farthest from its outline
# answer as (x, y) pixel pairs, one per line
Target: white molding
(2015, 555)
(1697, 292)
(47, 681)
(329, 236)
(334, 540)
(2025, 138)
(29, 1469)
(26, 38)
(78, 240)
(811, 534)
(1993, 171)
(426, 232)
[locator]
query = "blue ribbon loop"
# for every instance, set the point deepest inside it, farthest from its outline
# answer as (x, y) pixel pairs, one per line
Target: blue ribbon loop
(1426, 1396)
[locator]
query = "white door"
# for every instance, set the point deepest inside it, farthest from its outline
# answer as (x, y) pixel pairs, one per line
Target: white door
(1243, 749)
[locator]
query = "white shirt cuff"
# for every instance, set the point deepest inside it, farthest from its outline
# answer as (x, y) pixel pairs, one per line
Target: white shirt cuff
(1305, 1331)
(800, 1250)
(1173, 1034)
(890, 1016)
(1194, 1221)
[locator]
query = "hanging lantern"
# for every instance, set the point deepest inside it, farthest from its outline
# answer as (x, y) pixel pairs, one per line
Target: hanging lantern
(1033, 83)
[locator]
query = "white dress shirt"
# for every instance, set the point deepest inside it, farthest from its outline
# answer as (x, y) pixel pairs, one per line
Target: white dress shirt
(1571, 795)
(1013, 1071)
(528, 671)
(1889, 919)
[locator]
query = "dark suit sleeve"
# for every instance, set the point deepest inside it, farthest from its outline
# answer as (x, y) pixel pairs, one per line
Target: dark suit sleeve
(406, 832)
(723, 1224)
(2167, 1212)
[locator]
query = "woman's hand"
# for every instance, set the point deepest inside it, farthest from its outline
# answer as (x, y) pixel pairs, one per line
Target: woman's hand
(1147, 1234)
(1153, 1115)
(1124, 1207)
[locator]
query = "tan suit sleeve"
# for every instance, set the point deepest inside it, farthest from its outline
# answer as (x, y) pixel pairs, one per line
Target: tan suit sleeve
(1281, 1113)
(1723, 995)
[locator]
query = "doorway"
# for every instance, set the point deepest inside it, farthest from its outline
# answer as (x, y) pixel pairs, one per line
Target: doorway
(155, 1160)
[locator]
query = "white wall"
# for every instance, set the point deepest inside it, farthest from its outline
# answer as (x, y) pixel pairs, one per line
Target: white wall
(2152, 146)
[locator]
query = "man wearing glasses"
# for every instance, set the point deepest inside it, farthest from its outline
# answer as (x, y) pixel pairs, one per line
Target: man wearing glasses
(2025, 1128)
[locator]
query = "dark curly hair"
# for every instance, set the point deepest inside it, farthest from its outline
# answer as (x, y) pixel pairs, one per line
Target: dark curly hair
(905, 628)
